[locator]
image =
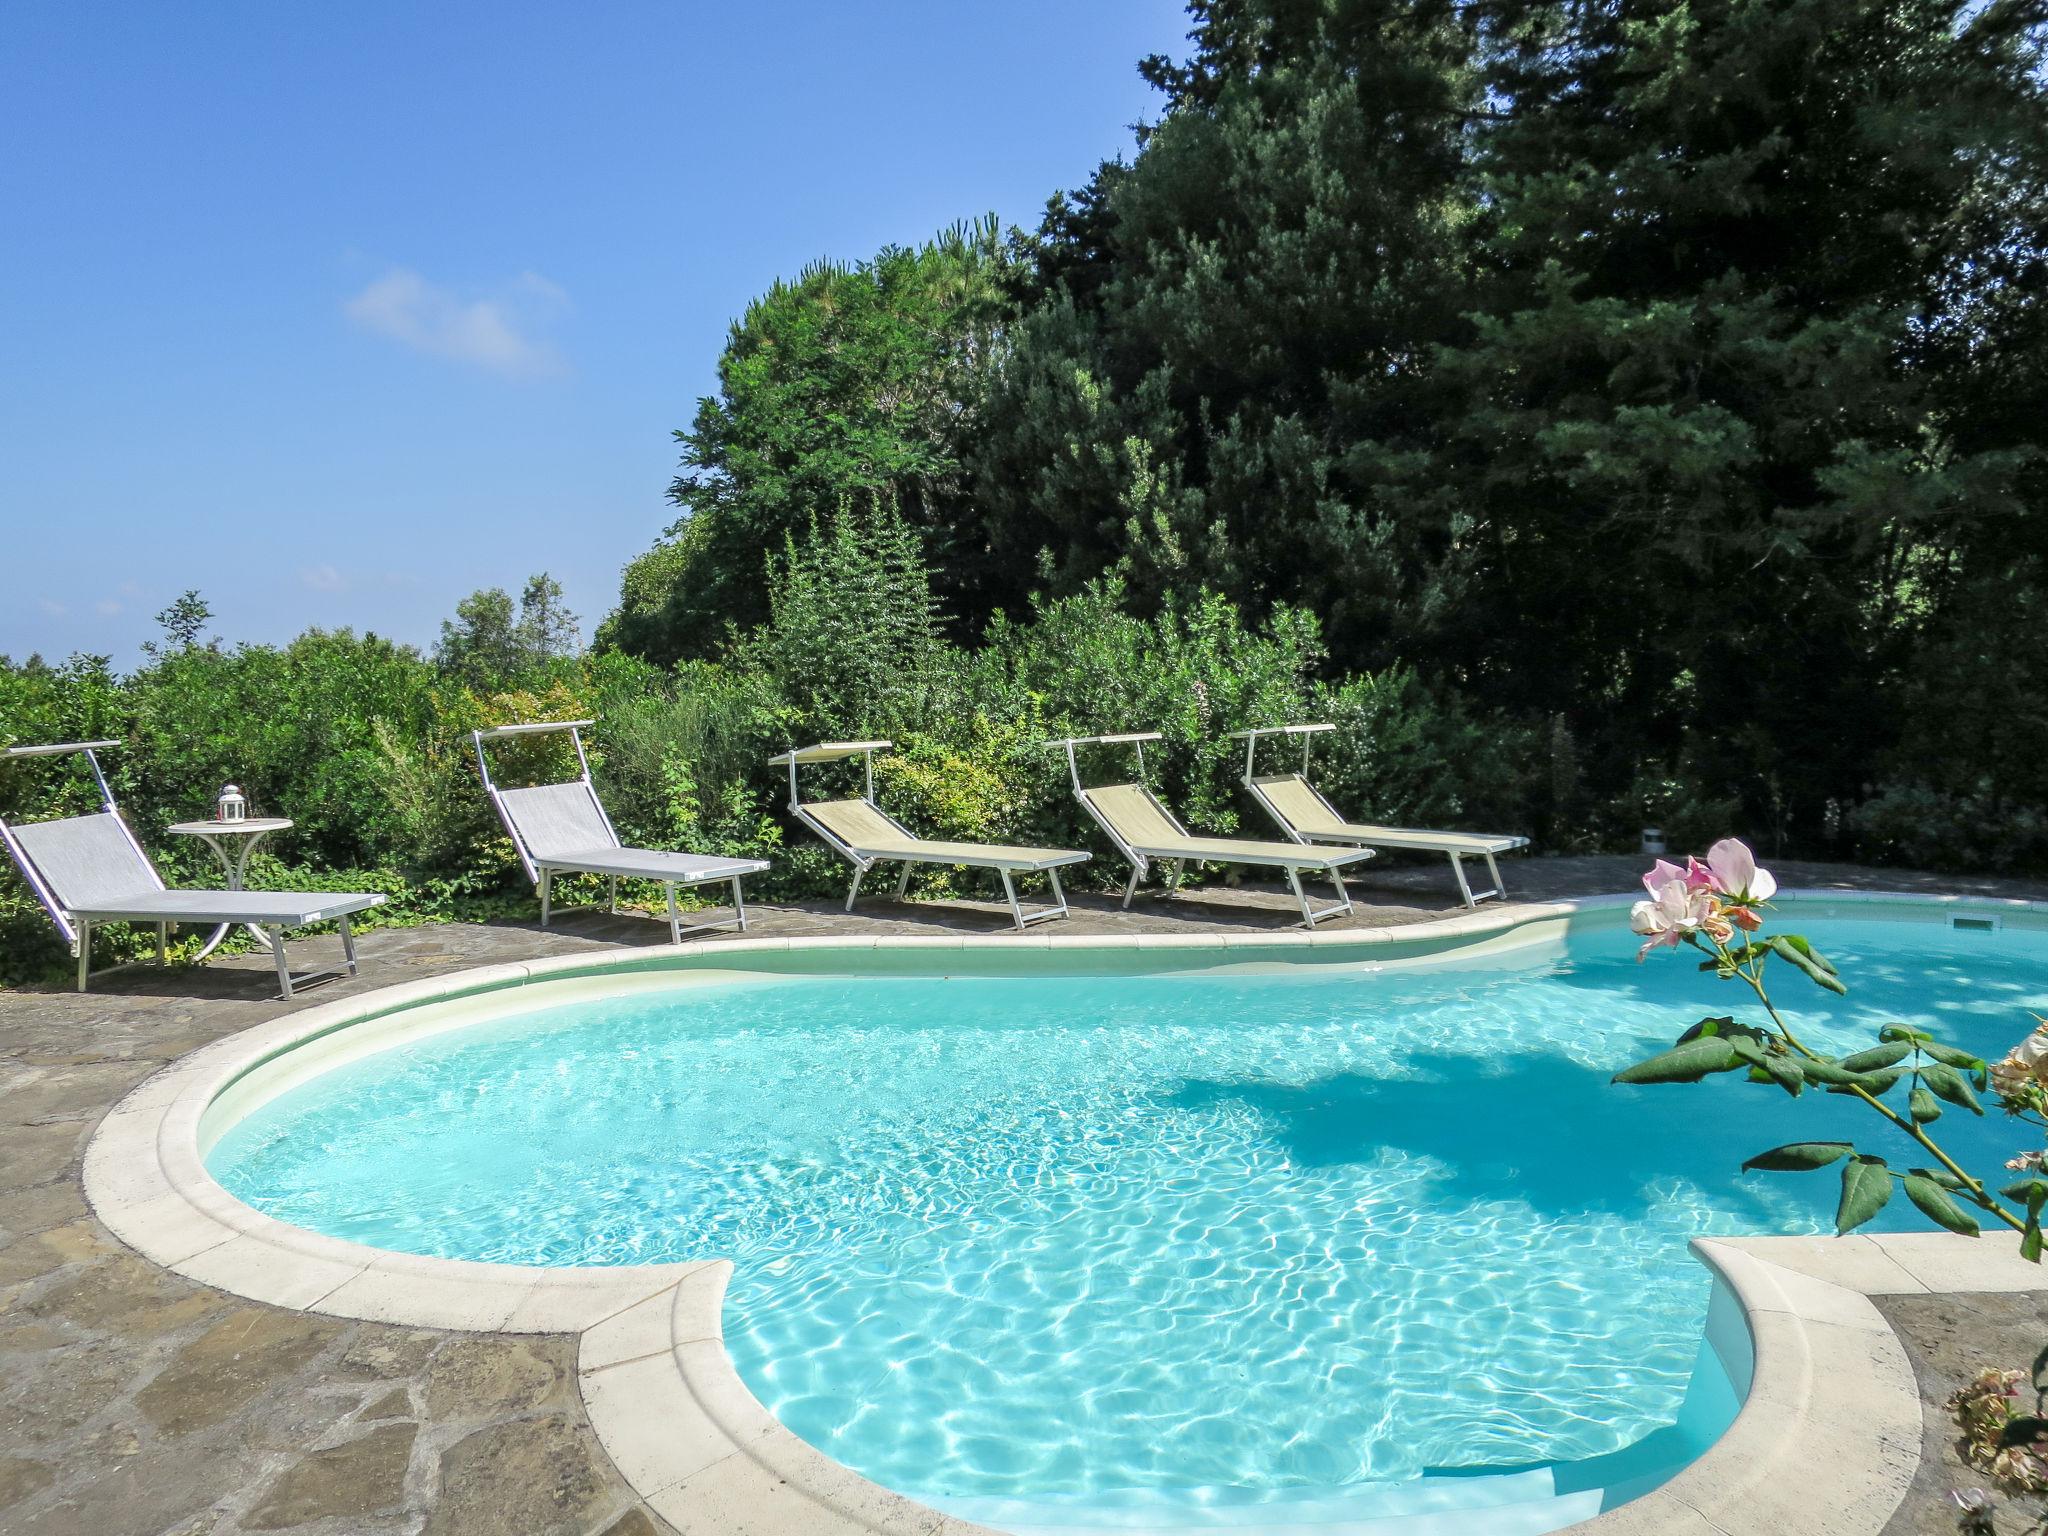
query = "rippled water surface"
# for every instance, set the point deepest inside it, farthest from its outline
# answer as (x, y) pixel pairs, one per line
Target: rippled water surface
(1008, 1237)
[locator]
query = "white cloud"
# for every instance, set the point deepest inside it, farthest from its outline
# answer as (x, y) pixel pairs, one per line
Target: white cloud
(106, 607)
(493, 331)
(54, 609)
(323, 578)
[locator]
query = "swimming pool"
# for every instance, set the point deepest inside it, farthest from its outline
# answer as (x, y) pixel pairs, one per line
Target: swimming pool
(1052, 1249)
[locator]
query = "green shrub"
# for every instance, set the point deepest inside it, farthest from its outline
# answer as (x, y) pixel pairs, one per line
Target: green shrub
(1925, 828)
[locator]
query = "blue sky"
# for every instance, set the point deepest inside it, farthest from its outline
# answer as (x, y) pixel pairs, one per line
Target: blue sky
(337, 313)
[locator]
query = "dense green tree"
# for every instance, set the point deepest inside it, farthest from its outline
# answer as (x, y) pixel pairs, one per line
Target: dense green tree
(489, 645)
(850, 381)
(1226, 380)
(546, 626)
(1673, 370)
(1749, 272)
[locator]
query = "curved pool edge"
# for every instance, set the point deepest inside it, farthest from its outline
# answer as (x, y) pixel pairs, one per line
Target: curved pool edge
(1832, 1399)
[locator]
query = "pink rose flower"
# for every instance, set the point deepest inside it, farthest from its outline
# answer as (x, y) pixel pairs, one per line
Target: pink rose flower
(1732, 869)
(1673, 911)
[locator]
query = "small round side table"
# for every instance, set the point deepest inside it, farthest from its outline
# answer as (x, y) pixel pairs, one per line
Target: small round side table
(232, 842)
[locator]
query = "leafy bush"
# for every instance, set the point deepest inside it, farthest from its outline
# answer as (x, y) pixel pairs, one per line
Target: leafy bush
(1403, 754)
(1676, 802)
(1926, 828)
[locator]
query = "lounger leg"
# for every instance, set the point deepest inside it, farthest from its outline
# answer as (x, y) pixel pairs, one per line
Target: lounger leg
(1500, 886)
(903, 883)
(1343, 895)
(1059, 896)
(547, 890)
(1464, 890)
(1010, 892)
(84, 953)
(284, 971)
(163, 938)
(675, 923)
(348, 945)
(739, 903)
(859, 874)
(1294, 879)
(612, 895)
(1131, 886)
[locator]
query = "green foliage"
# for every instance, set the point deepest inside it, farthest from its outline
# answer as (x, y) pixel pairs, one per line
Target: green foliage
(487, 646)
(850, 384)
(852, 632)
(1924, 828)
(365, 744)
(183, 624)
(1672, 382)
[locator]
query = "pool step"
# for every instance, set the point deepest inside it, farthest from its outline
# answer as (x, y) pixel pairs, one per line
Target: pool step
(1529, 1499)
(1526, 1503)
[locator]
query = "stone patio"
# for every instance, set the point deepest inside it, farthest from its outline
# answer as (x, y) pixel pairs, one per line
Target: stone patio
(135, 1401)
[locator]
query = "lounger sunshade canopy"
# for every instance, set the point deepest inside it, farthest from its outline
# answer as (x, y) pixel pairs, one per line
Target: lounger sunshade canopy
(1144, 830)
(828, 752)
(865, 835)
(563, 829)
(1294, 802)
(87, 870)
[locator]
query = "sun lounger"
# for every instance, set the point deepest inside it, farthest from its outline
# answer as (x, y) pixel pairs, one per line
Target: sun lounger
(1306, 817)
(561, 829)
(865, 835)
(88, 870)
(1144, 830)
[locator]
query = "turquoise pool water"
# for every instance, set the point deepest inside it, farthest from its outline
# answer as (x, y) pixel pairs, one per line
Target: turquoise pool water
(1114, 1239)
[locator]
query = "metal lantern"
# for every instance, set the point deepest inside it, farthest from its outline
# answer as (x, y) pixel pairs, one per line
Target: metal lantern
(234, 805)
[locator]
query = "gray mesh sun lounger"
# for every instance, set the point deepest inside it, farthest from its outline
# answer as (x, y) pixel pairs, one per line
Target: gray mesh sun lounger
(88, 870)
(1143, 830)
(560, 829)
(864, 834)
(1306, 817)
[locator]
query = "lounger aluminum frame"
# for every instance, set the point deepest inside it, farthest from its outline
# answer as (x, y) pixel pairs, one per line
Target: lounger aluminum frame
(89, 870)
(1182, 847)
(1332, 826)
(562, 829)
(867, 835)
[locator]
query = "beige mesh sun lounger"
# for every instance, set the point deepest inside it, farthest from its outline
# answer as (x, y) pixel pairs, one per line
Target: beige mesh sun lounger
(87, 870)
(865, 835)
(1144, 830)
(1306, 817)
(560, 829)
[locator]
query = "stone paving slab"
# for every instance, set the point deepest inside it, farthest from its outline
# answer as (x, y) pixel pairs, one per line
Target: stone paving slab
(1950, 1339)
(136, 1401)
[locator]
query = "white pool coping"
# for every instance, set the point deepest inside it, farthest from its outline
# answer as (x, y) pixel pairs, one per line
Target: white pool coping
(1826, 1442)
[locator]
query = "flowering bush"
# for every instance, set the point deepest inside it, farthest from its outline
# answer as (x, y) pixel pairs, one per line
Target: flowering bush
(1718, 906)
